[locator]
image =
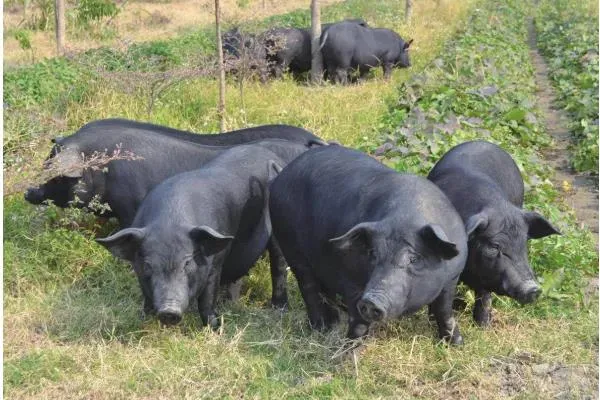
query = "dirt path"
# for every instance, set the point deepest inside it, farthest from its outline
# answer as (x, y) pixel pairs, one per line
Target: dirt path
(579, 191)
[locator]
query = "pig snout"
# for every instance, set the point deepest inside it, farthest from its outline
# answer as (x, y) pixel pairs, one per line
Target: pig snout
(169, 316)
(371, 309)
(34, 195)
(526, 293)
(530, 291)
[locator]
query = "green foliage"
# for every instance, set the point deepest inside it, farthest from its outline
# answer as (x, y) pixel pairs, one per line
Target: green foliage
(95, 10)
(33, 369)
(482, 87)
(568, 38)
(24, 38)
(49, 82)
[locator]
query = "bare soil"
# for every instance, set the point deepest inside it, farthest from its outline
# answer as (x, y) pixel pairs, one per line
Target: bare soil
(579, 191)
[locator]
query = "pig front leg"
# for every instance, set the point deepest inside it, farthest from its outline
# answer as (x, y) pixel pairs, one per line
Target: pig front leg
(387, 71)
(148, 303)
(441, 308)
(320, 314)
(234, 290)
(357, 326)
(482, 311)
(208, 299)
(279, 298)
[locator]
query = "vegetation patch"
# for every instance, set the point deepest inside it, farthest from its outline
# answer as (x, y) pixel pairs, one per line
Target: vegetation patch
(568, 39)
(482, 87)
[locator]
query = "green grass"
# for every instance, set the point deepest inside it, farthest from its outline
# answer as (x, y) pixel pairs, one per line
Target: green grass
(568, 38)
(72, 326)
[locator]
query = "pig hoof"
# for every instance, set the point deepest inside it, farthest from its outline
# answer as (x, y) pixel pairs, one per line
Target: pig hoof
(453, 339)
(483, 318)
(280, 303)
(456, 340)
(213, 321)
(459, 304)
(332, 316)
(357, 331)
(319, 324)
(147, 311)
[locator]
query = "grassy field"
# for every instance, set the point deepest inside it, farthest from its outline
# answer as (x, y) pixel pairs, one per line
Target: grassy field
(72, 326)
(136, 21)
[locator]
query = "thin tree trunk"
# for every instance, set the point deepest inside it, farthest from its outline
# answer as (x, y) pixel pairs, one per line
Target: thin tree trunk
(408, 11)
(221, 106)
(25, 7)
(59, 13)
(316, 71)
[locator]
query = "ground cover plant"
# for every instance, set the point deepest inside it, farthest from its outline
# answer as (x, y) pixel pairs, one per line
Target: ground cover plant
(72, 324)
(568, 39)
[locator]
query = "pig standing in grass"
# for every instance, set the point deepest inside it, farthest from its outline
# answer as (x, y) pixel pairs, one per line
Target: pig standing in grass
(388, 243)
(485, 185)
(291, 47)
(348, 46)
(202, 228)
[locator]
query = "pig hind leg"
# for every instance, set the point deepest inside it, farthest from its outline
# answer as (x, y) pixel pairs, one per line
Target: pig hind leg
(279, 298)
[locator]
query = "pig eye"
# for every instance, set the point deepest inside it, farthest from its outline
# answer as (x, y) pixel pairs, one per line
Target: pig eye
(146, 268)
(491, 251)
(371, 253)
(414, 258)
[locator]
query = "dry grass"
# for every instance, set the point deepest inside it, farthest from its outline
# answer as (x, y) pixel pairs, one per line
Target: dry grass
(145, 21)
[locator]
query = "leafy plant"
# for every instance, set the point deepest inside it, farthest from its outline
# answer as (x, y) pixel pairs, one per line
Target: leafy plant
(482, 87)
(568, 38)
(24, 38)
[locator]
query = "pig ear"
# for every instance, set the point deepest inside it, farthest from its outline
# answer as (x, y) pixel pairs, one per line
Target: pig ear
(124, 243)
(407, 44)
(209, 240)
(359, 237)
(436, 239)
(476, 223)
(538, 226)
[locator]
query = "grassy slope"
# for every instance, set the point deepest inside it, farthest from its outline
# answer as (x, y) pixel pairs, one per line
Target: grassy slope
(72, 324)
